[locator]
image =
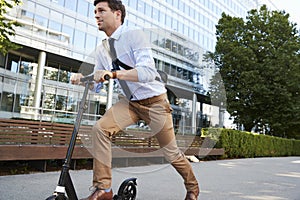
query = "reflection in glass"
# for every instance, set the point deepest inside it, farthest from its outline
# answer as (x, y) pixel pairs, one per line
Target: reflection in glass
(63, 76)
(48, 103)
(7, 101)
(26, 67)
(51, 73)
(61, 102)
(12, 63)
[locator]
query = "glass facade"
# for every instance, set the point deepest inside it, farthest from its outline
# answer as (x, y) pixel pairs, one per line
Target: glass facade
(180, 33)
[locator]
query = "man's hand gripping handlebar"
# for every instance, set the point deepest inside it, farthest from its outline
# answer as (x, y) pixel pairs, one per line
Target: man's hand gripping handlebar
(98, 76)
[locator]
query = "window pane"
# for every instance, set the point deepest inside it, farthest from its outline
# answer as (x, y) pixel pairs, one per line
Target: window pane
(26, 66)
(2, 61)
(133, 4)
(155, 14)
(53, 25)
(79, 39)
(173, 70)
(167, 68)
(26, 99)
(81, 25)
(175, 3)
(17, 106)
(41, 20)
(56, 15)
(94, 107)
(71, 4)
(141, 6)
(48, 103)
(70, 21)
(148, 10)
(71, 104)
(83, 7)
(181, 6)
(7, 101)
(60, 2)
(180, 27)
(28, 16)
(162, 18)
(63, 76)
(168, 21)
(42, 10)
(91, 11)
(69, 31)
(90, 42)
(51, 73)
(175, 24)
(61, 102)
(13, 62)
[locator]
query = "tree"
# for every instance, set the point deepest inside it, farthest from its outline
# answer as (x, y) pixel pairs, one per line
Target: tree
(7, 26)
(259, 61)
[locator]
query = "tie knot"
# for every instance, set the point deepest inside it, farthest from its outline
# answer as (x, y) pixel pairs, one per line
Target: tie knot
(111, 41)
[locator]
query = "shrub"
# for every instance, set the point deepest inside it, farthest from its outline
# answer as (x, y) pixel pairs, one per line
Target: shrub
(239, 144)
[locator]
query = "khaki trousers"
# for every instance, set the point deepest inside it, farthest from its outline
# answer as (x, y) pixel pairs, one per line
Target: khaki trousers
(156, 112)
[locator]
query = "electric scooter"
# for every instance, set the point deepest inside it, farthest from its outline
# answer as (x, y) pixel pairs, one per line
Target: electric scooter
(65, 189)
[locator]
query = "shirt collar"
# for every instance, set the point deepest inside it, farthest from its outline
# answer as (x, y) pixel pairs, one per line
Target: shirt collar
(116, 35)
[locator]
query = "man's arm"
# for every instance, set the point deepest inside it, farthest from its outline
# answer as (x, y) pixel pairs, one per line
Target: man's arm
(126, 75)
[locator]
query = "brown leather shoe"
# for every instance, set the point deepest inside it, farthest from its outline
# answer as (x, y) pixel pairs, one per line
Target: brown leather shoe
(99, 194)
(192, 195)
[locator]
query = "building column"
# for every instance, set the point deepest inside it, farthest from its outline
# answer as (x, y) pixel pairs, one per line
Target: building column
(109, 93)
(194, 114)
(182, 122)
(201, 118)
(160, 65)
(39, 82)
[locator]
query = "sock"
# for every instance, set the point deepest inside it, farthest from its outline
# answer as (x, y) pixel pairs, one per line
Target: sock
(107, 190)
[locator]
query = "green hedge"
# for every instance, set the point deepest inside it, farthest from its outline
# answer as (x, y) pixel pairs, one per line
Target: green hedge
(239, 144)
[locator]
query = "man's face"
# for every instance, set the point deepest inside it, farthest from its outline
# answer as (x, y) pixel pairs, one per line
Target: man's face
(106, 19)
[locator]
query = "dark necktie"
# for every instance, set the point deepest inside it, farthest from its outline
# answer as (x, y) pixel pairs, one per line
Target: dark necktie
(115, 66)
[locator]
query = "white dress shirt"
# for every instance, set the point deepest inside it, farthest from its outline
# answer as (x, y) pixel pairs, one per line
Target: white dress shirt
(134, 50)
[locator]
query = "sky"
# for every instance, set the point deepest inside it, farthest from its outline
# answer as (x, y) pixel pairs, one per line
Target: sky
(291, 7)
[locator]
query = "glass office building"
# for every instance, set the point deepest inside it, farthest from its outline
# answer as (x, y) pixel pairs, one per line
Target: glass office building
(59, 36)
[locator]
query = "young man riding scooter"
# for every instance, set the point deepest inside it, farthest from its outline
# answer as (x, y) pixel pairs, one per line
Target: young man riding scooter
(144, 98)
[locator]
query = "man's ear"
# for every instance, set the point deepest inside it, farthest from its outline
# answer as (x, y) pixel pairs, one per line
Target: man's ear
(118, 14)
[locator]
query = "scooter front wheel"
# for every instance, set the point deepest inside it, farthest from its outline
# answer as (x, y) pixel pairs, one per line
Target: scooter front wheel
(127, 190)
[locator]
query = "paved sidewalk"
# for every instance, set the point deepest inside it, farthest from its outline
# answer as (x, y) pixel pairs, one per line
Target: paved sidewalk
(252, 179)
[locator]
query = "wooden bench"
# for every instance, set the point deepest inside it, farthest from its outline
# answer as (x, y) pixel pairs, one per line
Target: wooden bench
(35, 140)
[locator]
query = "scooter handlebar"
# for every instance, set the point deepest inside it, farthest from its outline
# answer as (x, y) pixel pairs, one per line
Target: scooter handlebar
(91, 78)
(87, 78)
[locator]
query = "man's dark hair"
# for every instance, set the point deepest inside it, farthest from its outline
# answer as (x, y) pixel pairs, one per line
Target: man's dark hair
(114, 5)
